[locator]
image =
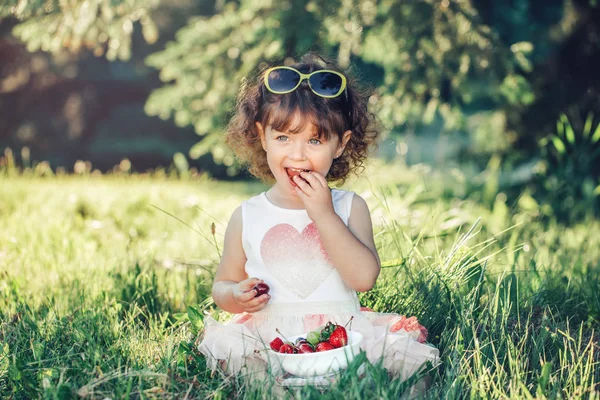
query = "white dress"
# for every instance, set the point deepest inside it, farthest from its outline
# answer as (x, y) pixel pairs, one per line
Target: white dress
(284, 249)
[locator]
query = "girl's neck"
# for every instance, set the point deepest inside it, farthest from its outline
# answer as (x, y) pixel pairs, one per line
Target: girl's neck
(284, 200)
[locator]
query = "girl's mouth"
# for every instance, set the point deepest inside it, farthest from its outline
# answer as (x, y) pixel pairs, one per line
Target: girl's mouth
(292, 172)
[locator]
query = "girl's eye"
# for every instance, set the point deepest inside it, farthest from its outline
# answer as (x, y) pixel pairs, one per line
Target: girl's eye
(281, 138)
(314, 141)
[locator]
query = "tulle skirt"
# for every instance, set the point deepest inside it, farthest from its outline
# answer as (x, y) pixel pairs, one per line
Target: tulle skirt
(398, 341)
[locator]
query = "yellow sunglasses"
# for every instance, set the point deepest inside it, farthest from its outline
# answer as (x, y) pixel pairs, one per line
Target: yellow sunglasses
(324, 82)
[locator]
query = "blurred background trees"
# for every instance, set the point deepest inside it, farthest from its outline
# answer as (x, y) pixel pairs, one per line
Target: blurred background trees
(488, 84)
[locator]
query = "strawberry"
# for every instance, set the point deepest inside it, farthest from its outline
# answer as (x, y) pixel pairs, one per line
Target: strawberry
(292, 173)
(261, 288)
(326, 331)
(339, 337)
(286, 348)
(324, 346)
(276, 344)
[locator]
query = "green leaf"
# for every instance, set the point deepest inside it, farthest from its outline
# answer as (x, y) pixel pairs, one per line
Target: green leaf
(559, 145)
(37, 348)
(4, 359)
(522, 47)
(196, 318)
(181, 164)
(181, 316)
(149, 30)
(570, 135)
(545, 375)
(205, 146)
(587, 128)
(560, 127)
(526, 202)
(596, 135)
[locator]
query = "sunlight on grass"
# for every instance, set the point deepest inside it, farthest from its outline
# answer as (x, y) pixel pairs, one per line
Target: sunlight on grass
(105, 281)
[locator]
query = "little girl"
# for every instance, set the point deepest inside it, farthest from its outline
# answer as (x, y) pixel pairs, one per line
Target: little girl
(300, 128)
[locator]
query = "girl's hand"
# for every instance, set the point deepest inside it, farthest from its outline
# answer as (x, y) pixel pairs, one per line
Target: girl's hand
(315, 194)
(243, 295)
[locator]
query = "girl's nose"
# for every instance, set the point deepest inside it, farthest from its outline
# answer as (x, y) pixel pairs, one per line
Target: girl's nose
(298, 152)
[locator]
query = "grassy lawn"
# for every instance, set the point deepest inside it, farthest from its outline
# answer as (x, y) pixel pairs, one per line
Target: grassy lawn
(104, 281)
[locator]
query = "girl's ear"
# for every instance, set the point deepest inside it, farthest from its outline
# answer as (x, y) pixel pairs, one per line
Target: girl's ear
(261, 133)
(342, 144)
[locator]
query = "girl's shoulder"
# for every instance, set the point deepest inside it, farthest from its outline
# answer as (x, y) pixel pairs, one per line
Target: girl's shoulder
(253, 204)
(256, 199)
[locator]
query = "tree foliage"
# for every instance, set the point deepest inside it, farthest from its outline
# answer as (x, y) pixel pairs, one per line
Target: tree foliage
(424, 58)
(103, 26)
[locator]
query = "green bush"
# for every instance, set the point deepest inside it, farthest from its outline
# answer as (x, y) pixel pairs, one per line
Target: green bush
(569, 172)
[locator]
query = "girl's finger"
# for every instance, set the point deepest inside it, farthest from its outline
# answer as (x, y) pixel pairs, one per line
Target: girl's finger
(321, 179)
(246, 296)
(302, 184)
(311, 178)
(252, 304)
(249, 284)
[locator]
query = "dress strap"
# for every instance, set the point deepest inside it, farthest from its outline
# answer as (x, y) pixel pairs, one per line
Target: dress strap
(342, 202)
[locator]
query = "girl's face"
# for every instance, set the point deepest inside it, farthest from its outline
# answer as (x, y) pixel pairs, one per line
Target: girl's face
(289, 153)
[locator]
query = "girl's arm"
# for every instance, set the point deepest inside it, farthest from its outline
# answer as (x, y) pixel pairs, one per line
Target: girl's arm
(232, 290)
(351, 248)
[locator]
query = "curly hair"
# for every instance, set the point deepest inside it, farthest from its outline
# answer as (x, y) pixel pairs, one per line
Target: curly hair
(329, 116)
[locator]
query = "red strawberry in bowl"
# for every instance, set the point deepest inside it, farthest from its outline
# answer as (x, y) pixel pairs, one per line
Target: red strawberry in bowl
(339, 337)
(276, 344)
(324, 346)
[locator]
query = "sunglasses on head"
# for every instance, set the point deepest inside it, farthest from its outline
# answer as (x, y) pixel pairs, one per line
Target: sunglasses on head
(325, 83)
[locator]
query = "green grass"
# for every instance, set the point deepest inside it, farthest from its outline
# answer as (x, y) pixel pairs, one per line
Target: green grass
(104, 281)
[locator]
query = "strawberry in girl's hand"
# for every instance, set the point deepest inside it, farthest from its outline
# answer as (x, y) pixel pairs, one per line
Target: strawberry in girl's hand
(324, 346)
(276, 344)
(286, 348)
(261, 288)
(292, 173)
(339, 337)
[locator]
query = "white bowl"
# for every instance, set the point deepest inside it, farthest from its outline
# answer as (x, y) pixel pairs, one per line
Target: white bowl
(321, 363)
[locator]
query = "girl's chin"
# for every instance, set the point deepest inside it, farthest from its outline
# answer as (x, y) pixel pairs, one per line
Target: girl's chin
(289, 186)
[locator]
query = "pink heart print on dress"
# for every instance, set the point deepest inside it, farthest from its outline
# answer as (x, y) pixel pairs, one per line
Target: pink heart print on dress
(297, 260)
